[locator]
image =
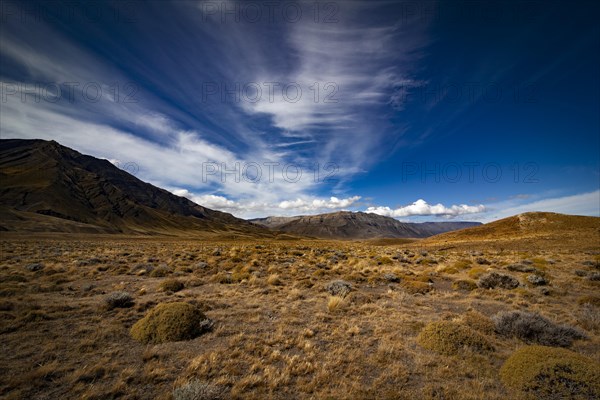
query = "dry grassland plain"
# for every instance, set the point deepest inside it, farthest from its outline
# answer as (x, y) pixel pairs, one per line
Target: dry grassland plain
(302, 319)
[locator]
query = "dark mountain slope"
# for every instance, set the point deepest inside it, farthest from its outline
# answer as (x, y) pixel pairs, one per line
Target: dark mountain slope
(45, 186)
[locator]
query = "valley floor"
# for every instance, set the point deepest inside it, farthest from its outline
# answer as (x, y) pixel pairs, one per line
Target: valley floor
(277, 334)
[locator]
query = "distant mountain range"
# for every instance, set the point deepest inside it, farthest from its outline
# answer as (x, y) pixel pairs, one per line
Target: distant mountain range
(47, 187)
(358, 225)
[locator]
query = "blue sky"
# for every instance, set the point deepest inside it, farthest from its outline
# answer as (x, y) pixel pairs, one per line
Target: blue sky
(415, 110)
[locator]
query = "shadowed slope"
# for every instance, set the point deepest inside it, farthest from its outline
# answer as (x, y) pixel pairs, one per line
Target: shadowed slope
(49, 187)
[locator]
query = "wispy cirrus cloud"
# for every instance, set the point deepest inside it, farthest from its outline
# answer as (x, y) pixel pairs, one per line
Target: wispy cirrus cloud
(171, 129)
(349, 73)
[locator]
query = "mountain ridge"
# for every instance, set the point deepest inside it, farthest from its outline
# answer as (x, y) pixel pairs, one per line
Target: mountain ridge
(358, 225)
(43, 182)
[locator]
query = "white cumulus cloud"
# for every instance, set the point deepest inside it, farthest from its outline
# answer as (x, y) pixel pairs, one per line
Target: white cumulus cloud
(421, 207)
(318, 204)
(250, 208)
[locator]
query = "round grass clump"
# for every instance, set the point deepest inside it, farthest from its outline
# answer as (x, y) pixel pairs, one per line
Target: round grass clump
(416, 286)
(446, 337)
(118, 300)
(171, 285)
(479, 322)
(466, 285)
(543, 372)
(170, 322)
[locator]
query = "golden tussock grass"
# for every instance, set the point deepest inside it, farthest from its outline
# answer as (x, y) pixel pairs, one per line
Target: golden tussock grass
(278, 332)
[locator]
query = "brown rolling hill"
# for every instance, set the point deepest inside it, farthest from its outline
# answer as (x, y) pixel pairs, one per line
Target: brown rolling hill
(47, 187)
(358, 225)
(528, 231)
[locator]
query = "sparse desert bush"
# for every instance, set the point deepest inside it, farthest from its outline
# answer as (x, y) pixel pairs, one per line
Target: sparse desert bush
(334, 303)
(520, 268)
(494, 280)
(338, 288)
(592, 300)
(594, 276)
(198, 390)
(6, 306)
(533, 328)
(462, 264)
(171, 285)
(274, 280)
(160, 271)
(414, 286)
(15, 278)
(171, 322)
(240, 275)
(482, 261)
(255, 280)
(223, 277)
(551, 373)
(34, 267)
(426, 278)
(141, 269)
(88, 287)
(118, 300)
(446, 337)
(35, 316)
(589, 317)
(448, 269)
(391, 277)
(384, 260)
(536, 280)
(476, 272)
(464, 284)
(539, 261)
(295, 294)
(479, 322)
(201, 265)
(422, 261)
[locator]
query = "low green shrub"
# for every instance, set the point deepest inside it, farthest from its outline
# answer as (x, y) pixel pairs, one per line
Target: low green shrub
(171, 285)
(171, 322)
(446, 337)
(552, 373)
